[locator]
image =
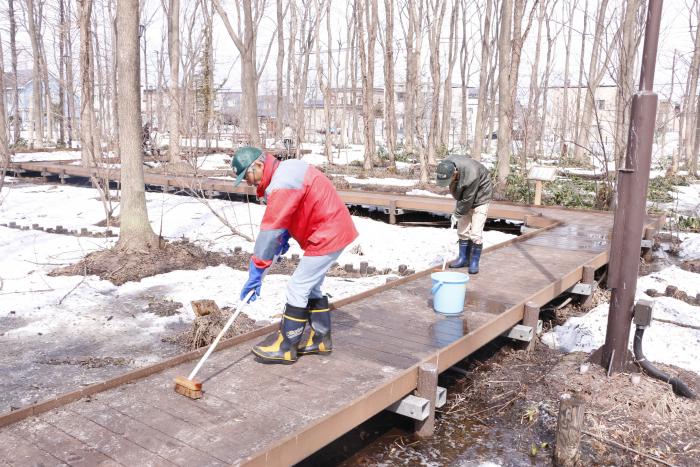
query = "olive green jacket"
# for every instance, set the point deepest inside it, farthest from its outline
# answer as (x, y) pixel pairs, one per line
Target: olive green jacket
(473, 188)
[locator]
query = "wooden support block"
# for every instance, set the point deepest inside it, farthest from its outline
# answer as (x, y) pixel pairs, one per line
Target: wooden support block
(569, 426)
(649, 234)
(588, 278)
(530, 318)
(402, 269)
(363, 267)
(392, 211)
(427, 389)
(348, 267)
(204, 307)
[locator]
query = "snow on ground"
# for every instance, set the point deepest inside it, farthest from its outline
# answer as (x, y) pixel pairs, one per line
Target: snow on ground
(686, 200)
(46, 156)
(668, 343)
(379, 181)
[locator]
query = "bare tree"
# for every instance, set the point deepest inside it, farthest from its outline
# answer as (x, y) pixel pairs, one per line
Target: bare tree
(4, 149)
(595, 74)
(436, 14)
(37, 128)
(564, 118)
(293, 24)
(173, 14)
(625, 79)
(579, 84)
(13, 54)
(551, 40)
(245, 41)
(534, 94)
(692, 119)
(389, 95)
(62, 31)
(673, 168)
(413, 51)
(505, 103)
(479, 126)
(447, 88)
(136, 233)
(367, 16)
(71, 129)
(87, 105)
(465, 61)
(280, 98)
(325, 85)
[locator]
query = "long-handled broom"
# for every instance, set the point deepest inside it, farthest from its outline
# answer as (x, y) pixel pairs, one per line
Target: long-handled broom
(190, 387)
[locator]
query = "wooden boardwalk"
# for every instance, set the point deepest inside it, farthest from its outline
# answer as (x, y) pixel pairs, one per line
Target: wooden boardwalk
(277, 415)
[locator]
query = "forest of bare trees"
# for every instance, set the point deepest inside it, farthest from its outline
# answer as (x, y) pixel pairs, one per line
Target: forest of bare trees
(513, 81)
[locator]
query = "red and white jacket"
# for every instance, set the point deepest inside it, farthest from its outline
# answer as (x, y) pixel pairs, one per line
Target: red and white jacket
(302, 201)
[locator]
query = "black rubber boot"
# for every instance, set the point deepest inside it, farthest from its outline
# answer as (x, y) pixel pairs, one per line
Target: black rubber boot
(284, 349)
(464, 249)
(474, 258)
(319, 341)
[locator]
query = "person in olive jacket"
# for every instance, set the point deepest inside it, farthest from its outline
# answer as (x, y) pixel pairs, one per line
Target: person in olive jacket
(470, 185)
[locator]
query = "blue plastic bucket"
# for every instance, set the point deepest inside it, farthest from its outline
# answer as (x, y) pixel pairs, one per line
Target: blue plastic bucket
(449, 291)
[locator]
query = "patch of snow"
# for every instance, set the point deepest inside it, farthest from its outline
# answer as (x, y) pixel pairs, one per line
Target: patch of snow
(45, 156)
(663, 342)
(380, 181)
(690, 247)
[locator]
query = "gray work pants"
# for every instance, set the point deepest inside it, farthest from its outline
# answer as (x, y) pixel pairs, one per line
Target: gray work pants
(306, 281)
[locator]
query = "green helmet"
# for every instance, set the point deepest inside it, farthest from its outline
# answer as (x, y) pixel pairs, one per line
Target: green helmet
(242, 160)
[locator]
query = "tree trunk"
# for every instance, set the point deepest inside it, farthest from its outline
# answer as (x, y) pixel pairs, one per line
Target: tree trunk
(595, 74)
(625, 79)
(505, 102)
(545, 86)
(87, 105)
(4, 149)
(324, 86)
(16, 123)
(486, 74)
(135, 230)
(564, 118)
(367, 19)
(534, 95)
(464, 74)
(389, 95)
(579, 85)
(673, 168)
(447, 94)
(174, 83)
(291, 61)
(279, 104)
(61, 73)
(691, 118)
(70, 127)
(413, 48)
(246, 46)
(434, 31)
(37, 127)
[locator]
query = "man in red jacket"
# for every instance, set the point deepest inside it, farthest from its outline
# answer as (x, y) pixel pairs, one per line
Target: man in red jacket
(302, 204)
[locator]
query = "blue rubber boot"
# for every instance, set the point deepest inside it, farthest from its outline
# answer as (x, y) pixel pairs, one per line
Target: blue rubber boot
(474, 258)
(464, 249)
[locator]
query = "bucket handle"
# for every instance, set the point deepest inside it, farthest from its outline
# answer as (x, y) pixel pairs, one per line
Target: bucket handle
(436, 287)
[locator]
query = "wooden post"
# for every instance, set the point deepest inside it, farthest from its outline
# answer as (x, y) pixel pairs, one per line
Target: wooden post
(531, 317)
(427, 389)
(392, 211)
(569, 426)
(649, 234)
(588, 277)
(538, 192)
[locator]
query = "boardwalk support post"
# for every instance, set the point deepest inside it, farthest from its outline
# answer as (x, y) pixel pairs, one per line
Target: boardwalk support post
(531, 317)
(392, 211)
(569, 426)
(648, 244)
(427, 389)
(588, 278)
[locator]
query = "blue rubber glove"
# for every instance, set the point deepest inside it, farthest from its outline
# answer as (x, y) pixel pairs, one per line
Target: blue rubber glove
(255, 276)
(284, 243)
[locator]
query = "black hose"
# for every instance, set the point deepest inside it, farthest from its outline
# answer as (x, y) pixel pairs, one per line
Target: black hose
(679, 387)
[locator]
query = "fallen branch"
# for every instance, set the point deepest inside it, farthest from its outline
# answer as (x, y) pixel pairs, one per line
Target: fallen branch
(76, 286)
(622, 446)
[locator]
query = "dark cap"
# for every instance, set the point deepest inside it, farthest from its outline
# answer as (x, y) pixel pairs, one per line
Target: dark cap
(445, 170)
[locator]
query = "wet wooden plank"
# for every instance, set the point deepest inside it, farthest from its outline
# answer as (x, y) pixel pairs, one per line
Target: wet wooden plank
(50, 439)
(17, 451)
(103, 440)
(153, 440)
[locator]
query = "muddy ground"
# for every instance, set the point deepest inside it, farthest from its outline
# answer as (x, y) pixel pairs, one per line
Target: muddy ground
(504, 410)
(119, 267)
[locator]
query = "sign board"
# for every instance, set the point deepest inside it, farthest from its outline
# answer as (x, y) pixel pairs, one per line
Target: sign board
(542, 173)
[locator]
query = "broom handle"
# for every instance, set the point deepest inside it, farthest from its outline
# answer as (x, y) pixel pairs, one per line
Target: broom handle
(228, 324)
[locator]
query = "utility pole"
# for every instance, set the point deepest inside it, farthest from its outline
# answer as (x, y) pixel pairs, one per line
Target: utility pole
(628, 225)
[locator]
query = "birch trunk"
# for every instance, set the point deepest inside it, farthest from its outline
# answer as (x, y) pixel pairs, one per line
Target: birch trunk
(87, 105)
(37, 127)
(434, 31)
(174, 83)
(389, 95)
(692, 118)
(71, 128)
(16, 123)
(447, 93)
(135, 233)
(279, 104)
(564, 117)
(505, 102)
(579, 85)
(4, 149)
(464, 73)
(595, 74)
